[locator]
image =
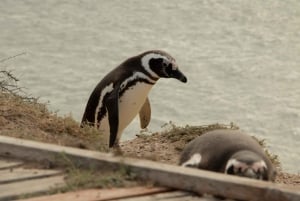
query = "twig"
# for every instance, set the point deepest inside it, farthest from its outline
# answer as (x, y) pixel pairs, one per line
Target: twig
(11, 57)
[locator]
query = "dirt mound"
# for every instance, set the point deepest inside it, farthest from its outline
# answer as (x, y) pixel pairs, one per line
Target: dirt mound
(31, 120)
(166, 145)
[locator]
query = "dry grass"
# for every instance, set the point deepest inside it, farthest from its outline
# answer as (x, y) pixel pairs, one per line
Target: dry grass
(29, 119)
(78, 178)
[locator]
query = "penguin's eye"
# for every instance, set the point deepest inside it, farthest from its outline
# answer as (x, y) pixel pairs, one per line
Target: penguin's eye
(164, 64)
(168, 69)
(156, 62)
(230, 170)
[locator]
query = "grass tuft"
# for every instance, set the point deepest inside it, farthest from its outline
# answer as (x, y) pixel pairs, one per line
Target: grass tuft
(92, 177)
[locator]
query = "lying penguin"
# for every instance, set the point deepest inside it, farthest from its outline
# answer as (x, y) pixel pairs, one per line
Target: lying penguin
(123, 93)
(230, 152)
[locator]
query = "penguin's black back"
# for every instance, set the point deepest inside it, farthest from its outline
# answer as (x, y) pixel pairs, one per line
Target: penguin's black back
(216, 147)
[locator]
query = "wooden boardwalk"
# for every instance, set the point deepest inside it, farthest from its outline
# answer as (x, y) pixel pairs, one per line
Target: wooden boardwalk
(125, 194)
(15, 180)
(18, 182)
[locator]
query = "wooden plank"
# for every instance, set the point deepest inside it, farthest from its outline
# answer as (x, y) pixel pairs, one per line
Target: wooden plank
(14, 190)
(8, 164)
(100, 194)
(170, 196)
(20, 174)
(189, 179)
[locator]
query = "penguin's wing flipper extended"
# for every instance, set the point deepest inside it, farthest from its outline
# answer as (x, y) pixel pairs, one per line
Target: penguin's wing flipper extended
(112, 106)
(145, 114)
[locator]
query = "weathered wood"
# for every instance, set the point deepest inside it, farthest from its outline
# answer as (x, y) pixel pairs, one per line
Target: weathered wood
(20, 174)
(9, 164)
(170, 196)
(101, 194)
(14, 190)
(189, 179)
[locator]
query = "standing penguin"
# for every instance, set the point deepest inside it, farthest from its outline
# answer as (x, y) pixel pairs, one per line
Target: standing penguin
(230, 152)
(123, 93)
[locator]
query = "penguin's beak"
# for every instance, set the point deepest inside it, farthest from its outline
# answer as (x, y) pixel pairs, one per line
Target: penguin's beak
(177, 74)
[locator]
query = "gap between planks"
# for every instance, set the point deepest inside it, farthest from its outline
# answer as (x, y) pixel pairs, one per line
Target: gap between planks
(20, 174)
(9, 164)
(15, 181)
(30, 187)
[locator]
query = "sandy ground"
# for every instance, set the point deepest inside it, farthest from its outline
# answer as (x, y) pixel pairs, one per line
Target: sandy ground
(31, 120)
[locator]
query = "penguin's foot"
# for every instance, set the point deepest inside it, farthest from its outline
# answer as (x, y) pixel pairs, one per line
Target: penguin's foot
(116, 150)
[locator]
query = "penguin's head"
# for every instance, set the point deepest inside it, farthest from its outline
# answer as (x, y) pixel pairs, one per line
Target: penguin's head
(247, 164)
(161, 65)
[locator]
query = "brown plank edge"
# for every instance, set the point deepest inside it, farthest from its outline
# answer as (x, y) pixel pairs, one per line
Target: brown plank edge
(188, 179)
(101, 194)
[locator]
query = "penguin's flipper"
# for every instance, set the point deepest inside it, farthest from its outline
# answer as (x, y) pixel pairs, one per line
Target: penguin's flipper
(112, 106)
(145, 114)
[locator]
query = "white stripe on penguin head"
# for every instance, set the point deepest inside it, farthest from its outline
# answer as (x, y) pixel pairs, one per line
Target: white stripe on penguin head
(145, 62)
(194, 161)
(232, 162)
(135, 76)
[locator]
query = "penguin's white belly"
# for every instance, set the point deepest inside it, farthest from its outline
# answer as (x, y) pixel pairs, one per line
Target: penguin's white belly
(130, 104)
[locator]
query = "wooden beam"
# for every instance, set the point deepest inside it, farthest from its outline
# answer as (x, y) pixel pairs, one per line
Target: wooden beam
(21, 174)
(171, 196)
(101, 194)
(9, 164)
(189, 179)
(14, 190)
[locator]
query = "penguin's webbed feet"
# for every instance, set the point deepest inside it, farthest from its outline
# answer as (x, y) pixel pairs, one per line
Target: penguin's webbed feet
(116, 150)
